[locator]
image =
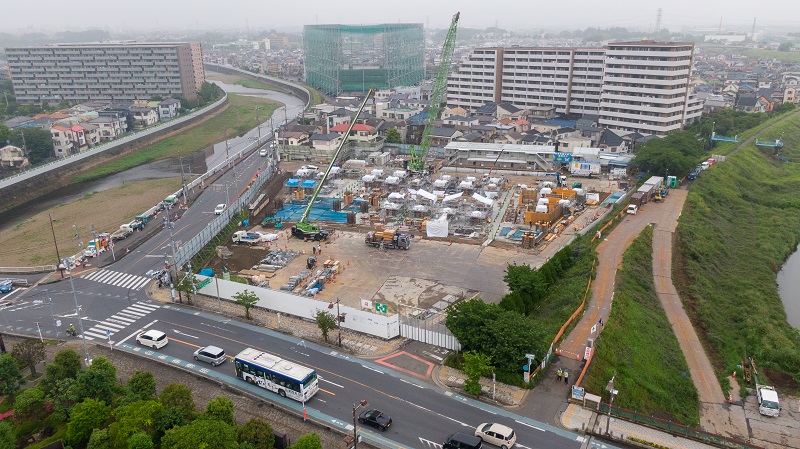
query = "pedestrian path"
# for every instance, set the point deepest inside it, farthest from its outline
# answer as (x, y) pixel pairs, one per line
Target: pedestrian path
(116, 278)
(107, 328)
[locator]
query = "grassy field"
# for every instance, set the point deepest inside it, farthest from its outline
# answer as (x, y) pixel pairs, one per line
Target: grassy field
(639, 344)
(31, 242)
(316, 98)
(783, 56)
(740, 223)
(239, 118)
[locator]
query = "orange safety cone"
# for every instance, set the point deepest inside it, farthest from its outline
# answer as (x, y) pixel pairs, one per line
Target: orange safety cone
(730, 397)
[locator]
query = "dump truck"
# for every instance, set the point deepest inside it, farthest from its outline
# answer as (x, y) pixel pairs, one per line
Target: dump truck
(123, 232)
(389, 239)
(768, 403)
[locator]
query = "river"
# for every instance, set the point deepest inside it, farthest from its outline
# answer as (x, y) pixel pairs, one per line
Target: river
(789, 288)
(166, 168)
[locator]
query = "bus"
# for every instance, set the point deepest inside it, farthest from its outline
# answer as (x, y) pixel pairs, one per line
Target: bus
(268, 371)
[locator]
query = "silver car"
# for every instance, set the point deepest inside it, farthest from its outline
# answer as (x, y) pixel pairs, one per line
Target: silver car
(210, 354)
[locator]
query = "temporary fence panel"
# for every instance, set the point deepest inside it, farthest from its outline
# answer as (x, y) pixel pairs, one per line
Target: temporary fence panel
(432, 333)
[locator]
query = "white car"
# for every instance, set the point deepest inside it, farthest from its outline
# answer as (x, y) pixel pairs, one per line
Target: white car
(263, 152)
(219, 209)
(153, 338)
(632, 209)
(496, 434)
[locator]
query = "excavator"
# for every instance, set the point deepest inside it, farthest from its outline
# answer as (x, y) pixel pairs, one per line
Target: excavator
(304, 229)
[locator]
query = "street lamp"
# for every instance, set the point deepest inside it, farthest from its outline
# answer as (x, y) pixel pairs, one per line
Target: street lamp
(78, 311)
(58, 257)
(610, 389)
(363, 403)
(339, 319)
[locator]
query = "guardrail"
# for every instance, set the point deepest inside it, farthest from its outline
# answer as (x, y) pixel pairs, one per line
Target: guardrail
(38, 170)
(289, 84)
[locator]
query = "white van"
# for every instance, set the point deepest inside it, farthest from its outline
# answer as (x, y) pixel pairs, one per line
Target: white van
(632, 209)
(768, 400)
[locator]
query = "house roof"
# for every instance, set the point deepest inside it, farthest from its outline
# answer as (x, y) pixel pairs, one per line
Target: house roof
(59, 128)
(16, 121)
(169, 101)
(342, 127)
(609, 138)
(444, 132)
(746, 100)
(326, 137)
(470, 137)
(508, 107)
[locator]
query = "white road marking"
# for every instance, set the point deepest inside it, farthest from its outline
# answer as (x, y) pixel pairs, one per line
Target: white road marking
(326, 380)
(529, 425)
(411, 383)
(373, 369)
(181, 333)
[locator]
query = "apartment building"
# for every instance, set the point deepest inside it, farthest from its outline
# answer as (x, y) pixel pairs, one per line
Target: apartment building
(121, 71)
(633, 86)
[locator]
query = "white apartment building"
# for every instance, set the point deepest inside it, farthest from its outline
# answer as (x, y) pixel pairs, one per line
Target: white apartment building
(634, 86)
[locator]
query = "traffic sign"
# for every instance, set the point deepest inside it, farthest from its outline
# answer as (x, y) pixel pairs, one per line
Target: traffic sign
(382, 308)
(108, 333)
(204, 283)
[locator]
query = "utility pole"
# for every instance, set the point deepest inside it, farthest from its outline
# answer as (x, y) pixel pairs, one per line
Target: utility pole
(339, 319)
(610, 388)
(183, 178)
(58, 257)
(80, 320)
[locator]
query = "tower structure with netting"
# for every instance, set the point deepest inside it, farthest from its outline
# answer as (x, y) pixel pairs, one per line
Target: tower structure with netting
(355, 58)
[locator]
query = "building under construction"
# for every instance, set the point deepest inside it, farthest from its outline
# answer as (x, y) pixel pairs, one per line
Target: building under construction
(355, 58)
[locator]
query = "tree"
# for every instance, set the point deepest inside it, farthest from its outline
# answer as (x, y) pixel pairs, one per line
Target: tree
(203, 433)
(86, 416)
(140, 440)
(10, 377)
(7, 440)
(785, 46)
(98, 381)
(308, 441)
(187, 284)
(98, 440)
(30, 403)
(220, 408)
(63, 396)
(66, 365)
(326, 322)
(475, 366)
(28, 354)
(178, 397)
(132, 418)
(257, 433)
(246, 299)
(142, 386)
(37, 142)
(392, 135)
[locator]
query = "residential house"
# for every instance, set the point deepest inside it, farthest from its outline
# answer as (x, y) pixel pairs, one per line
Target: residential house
(511, 137)
(716, 102)
(168, 108)
(471, 137)
(79, 135)
(326, 142)
(18, 121)
(459, 122)
(747, 103)
(360, 132)
(612, 142)
(440, 137)
(13, 157)
(447, 112)
(791, 94)
(143, 116)
(63, 139)
(92, 133)
(109, 127)
(292, 139)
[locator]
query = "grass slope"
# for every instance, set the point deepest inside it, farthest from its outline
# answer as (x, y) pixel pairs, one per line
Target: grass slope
(239, 118)
(31, 241)
(639, 344)
(740, 223)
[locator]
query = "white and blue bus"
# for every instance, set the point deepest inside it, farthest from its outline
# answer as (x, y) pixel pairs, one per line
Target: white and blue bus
(268, 371)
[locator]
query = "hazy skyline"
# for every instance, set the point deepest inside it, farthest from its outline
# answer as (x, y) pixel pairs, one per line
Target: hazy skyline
(127, 16)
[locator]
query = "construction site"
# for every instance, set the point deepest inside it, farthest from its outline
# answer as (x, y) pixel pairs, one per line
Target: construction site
(403, 231)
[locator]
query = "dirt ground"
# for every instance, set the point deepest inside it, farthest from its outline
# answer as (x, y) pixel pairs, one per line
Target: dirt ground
(31, 242)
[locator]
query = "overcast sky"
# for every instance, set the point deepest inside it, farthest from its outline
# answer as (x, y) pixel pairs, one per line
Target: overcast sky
(132, 15)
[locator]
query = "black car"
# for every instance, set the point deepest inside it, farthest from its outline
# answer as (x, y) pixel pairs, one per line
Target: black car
(375, 419)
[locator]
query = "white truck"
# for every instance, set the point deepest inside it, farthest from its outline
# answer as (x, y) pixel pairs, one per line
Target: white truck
(768, 404)
(252, 238)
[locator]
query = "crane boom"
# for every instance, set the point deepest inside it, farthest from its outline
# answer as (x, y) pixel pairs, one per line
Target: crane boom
(303, 225)
(437, 99)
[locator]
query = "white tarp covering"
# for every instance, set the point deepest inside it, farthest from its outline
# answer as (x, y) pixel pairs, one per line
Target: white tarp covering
(439, 193)
(400, 173)
(426, 195)
(419, 208)
(356, 163)
(483, 199)
(465, 185)
(302, 173)
(544, 201)
(368, 178)
(334, 170)
(545, 191)
(396, 196)
(392, 180)
(490, 195)
(470, 179)
(541, 208)
(565, 203)
(478, 214)
(391, 206)
(447, 210)
(452, 197)
(446, 177)
(440, 183)
(377, 172)
(494, 180)
(269, 237)
(437, 228)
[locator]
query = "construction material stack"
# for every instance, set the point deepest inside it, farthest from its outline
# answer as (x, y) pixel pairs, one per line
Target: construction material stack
(388, 238)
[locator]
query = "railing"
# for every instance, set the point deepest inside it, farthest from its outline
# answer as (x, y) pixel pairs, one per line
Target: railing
(39, 169)
(676, 428)
(35, 269)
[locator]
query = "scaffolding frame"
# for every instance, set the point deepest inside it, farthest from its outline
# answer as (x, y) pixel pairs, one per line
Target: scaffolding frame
(356, 58)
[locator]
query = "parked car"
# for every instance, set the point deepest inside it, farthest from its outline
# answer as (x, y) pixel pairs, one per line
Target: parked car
(211, 354)
(460, 440)
(497, 434)
(219, 209)
(632, 209)
(375, 419)
(6, 286)
(153, 338)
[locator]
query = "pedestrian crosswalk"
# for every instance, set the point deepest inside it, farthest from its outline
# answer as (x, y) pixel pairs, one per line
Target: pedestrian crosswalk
(124, 280)
(105, 329)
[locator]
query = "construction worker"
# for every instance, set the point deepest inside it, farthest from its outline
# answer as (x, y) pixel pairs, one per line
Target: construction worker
(566, 377)
(558, 374)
